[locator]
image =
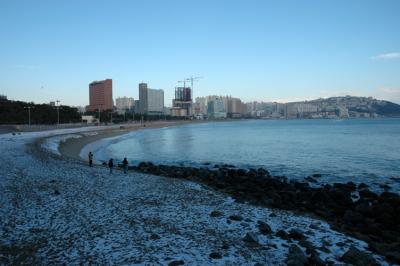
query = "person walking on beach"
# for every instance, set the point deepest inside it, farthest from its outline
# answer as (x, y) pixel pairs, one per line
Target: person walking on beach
(90, 159)
(110, 165)
(125, 165)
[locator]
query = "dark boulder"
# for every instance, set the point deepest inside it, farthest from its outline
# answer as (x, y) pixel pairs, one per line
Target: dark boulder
(215, 255)
(263, 172)
(236, 218)
(282, 234)
(296, 256)
(296, 234)
(216, 213)
(352, 217)
(176, 263)
(358, 258)
(251, 238)
(310, 179)
(264, 228)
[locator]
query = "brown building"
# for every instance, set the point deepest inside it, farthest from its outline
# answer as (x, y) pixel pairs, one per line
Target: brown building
(100, 95)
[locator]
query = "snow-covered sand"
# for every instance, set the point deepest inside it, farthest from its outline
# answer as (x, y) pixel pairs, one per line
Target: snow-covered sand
(55, 210)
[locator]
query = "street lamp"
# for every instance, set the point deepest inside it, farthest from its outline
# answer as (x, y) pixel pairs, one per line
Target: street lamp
(99, 113)
(58, 111)
(29, 113)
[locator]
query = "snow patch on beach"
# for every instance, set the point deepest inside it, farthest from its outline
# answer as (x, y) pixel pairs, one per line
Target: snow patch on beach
(61, 212)
(52, 144)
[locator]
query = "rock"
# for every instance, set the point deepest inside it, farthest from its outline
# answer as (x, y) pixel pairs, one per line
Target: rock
(351, 186)
(358, 258)
(210, 231)
(262, 172)
(296, 256)
(389, 195)
(314, 226)
(264, 228)
(216, 213)
(317, 175)
(324, 249)
(340, 244)
(310, 179)
(225, 246)
(282, 234)
(366, 194)
(236, 218)
(176, 263)
(215, 255)
(154, 237)
(352, 217)
(307, 245)
(362, 186)
(385, 186)
(296, 234)
(251, 238)
(314, 259)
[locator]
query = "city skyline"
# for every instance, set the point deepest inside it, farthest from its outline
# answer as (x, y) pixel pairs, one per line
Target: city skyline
(257, 51)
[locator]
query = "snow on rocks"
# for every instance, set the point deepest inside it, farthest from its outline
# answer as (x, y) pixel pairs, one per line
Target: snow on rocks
(56, 211)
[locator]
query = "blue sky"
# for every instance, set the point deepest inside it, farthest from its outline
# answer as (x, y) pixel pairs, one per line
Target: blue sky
(255, 50)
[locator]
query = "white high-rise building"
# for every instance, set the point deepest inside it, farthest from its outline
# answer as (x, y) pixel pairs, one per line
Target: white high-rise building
(124, 103)
(151, 101)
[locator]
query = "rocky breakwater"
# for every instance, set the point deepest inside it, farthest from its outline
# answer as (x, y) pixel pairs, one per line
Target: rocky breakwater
(373, 218)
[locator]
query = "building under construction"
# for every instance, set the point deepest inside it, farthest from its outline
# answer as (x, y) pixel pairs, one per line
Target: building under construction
(182, 104)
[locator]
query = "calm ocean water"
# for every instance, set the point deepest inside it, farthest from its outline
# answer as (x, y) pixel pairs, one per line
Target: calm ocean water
(341, 150)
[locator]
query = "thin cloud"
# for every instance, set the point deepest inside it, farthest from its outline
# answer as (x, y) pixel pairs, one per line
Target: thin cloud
(387, 56)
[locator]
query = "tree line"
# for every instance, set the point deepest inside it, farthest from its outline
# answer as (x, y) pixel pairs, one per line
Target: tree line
(16, 112)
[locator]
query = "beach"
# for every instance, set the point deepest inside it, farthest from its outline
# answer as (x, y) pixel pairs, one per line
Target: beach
(56, 210)
(72, 146)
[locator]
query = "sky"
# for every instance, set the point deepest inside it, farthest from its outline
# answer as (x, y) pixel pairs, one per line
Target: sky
(257, 50)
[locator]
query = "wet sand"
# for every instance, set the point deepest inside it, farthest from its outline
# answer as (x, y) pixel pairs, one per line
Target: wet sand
(72, 147)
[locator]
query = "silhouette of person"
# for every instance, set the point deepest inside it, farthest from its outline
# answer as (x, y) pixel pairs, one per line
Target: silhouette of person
(125, 165)
(90, 155)
(111, 165)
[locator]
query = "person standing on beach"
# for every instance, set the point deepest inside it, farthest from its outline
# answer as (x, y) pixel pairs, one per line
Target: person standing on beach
(90, 159)
(110, 165)
(125, 165)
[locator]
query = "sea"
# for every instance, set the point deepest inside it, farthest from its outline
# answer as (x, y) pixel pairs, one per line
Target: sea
(358, 150)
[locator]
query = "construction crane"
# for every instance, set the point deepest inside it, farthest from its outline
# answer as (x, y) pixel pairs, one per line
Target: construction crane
(193, 79)
(183, 81)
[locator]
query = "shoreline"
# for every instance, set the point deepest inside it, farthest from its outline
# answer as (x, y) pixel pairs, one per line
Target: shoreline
(72, 147)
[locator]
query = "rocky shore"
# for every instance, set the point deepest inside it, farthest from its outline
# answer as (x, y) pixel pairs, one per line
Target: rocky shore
(350, 208)
(56, 210)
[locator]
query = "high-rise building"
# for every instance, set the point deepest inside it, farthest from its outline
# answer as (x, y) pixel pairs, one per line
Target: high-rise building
(151, 101)
(100, 95)
(235, 108)
(124, 103)
(216, 108)
(182, 104)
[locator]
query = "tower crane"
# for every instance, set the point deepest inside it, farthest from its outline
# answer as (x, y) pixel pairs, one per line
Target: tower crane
(193, 79)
